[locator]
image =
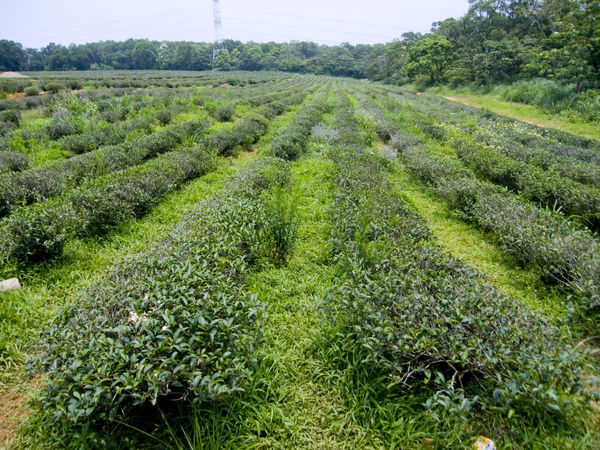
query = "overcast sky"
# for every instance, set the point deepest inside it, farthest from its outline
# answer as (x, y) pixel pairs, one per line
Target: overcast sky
(35, 23)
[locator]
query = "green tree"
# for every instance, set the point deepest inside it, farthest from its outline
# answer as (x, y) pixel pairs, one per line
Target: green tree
(576, 43)
(12, 56)
(223, 60)
(431, 56)
(191, 57)
(144, 55)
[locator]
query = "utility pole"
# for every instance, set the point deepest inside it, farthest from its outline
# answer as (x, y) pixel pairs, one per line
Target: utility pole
(218, 42)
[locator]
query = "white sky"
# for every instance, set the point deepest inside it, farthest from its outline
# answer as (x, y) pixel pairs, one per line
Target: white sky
(35, 23)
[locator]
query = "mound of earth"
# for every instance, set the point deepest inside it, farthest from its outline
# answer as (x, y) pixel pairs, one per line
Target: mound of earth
(12, 75)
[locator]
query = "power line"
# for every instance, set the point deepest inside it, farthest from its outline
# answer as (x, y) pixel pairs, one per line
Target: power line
(311, 28)
(218, 41)
(327, 20)
(284, 36)
(87, 25)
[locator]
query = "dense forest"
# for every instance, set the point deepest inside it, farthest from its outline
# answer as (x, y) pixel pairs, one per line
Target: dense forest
(497, 41)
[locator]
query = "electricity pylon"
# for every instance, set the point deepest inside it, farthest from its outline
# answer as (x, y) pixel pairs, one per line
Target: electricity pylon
(218, 42)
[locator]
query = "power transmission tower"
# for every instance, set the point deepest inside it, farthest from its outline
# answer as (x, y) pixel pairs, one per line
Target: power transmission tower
(218, 42)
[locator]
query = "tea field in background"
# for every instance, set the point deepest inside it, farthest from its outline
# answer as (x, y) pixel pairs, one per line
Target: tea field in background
(269, 260)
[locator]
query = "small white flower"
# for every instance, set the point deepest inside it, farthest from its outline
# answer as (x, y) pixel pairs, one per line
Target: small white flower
(135, 318)
(164, 328)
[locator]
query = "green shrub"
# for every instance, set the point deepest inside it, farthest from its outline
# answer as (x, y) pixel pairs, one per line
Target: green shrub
(38, 233)
(427, 322)
(170, 324)
(164, 116)
(54, 87)
(24, 188)
(225, 112)
(5, 128)
(13, 162)
(73, 84)
(538, 185)
(32, 91)
(79, 143)
(11, 115)
(263, 174)
(291, 142)
(57, 130)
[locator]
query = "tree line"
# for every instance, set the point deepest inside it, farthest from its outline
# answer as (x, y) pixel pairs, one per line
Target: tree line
(497, 41)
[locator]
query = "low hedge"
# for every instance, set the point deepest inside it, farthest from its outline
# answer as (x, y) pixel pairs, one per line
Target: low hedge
(170, 324)
(428, 323)
(564, 252)
(291, 142)
(13, 162)
(31, 186)
(538, 185)
(39, 233)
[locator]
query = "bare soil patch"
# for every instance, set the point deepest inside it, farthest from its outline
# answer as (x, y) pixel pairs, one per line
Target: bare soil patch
(12, 75)
(12, 413)
(13, 410)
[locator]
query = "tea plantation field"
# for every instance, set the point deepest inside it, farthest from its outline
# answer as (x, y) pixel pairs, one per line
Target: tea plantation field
(268, 260)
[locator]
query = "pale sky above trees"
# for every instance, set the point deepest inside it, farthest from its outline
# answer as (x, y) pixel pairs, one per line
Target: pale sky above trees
(35, 23)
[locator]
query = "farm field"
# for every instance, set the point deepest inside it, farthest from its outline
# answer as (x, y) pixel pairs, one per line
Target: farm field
(269, 260)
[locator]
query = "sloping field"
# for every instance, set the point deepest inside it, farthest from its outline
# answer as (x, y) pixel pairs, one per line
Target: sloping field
(260, 260)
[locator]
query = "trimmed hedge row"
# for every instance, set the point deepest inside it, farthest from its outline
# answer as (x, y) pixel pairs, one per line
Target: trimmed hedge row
(39, 233)
(247, 130)
(13, 162)
(580, 171)
(31, 186)
(291, 142)
(534, 183)
(113, 135)
(170, 324)
(548, 188)
(564, 252)
(427, 321)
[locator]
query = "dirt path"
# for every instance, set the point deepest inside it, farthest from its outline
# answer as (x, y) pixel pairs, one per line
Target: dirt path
(13, 411)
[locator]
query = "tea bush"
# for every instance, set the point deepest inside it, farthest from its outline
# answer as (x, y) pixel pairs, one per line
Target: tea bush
(57, 130)
(427, 321)
(11, 115)
(32, 91)
(54, 87)
(169, 324)
(93, 209)
(291, 143)
(562, 251)
(31, 186)
(545, 187)
(13, 162)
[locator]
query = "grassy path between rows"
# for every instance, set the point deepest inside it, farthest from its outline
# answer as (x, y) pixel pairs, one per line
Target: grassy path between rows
(477, 248)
